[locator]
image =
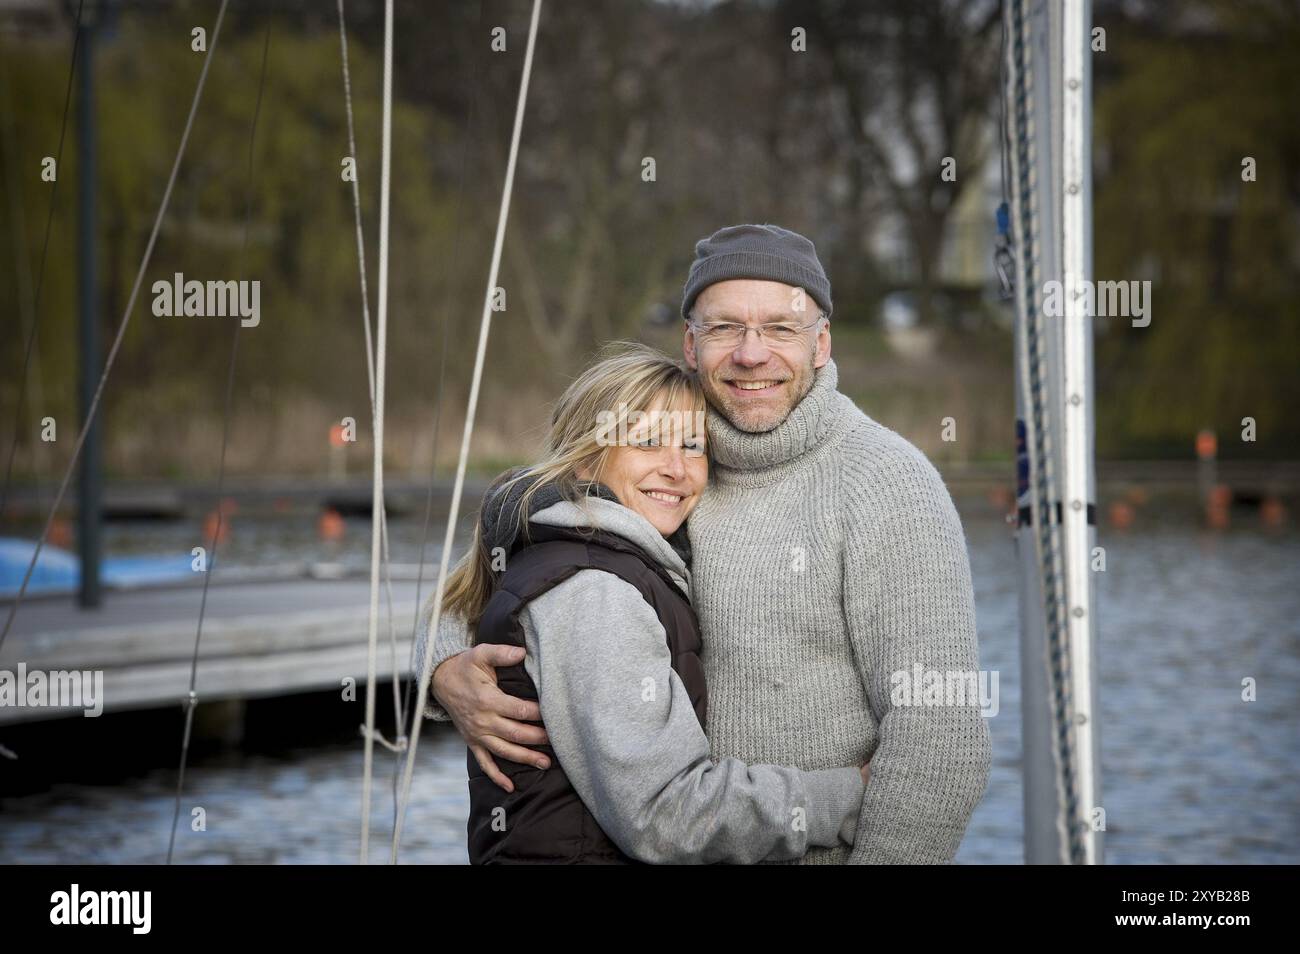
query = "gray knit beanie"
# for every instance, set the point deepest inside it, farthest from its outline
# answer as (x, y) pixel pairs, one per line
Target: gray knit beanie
(757, 251)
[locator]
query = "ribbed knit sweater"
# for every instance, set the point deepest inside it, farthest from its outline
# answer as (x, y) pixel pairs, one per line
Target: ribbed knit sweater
(827, 557)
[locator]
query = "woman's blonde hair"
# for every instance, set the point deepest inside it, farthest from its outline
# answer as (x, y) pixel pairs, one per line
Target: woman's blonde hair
(626, 378)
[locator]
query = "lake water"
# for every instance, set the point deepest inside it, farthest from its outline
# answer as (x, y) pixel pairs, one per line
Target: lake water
(1191, 773)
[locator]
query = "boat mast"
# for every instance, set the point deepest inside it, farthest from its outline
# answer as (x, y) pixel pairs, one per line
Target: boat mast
(1048, 114)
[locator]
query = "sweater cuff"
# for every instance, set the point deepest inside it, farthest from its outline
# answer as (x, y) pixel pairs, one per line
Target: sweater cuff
(434, 711)
(834, 804)
(432, 708)
(451, 639)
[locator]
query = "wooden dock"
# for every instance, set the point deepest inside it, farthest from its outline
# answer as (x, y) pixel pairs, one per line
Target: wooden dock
(259, 639)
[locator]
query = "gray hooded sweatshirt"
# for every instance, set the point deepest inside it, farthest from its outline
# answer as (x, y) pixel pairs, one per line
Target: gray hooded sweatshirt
(626, 734)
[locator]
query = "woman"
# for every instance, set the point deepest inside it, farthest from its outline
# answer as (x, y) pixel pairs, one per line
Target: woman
(582, 558)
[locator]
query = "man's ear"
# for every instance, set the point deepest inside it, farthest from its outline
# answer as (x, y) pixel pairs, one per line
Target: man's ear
(823, 346)
(688, 348)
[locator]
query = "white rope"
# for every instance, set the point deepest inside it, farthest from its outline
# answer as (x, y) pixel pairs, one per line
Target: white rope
(365, 320)
(370, 355)
(469, 428)
(397, 745)
(385, 560)
(381, 358)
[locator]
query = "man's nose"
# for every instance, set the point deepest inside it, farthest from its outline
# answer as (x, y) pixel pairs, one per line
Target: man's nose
(752, 350)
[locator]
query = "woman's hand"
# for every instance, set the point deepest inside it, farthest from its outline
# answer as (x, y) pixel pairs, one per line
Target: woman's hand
(865, 772)
(490, 721)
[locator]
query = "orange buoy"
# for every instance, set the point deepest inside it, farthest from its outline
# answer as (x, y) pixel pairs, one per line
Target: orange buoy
(1216, 518)
(331, 525)
(1272, 513)
(60, 533)
(216, 528)
(1121, 515)
(1218, 507)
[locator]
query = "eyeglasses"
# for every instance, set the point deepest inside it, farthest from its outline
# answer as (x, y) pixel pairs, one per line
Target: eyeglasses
(729, 334)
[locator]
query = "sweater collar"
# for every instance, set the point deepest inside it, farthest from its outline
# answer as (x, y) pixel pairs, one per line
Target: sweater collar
(807, 426)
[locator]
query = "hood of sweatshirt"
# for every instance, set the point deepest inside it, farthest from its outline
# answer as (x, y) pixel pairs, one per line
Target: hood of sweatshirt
(599, 513)
(556, 506)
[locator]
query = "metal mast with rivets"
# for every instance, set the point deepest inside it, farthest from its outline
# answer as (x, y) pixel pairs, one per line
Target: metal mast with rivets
(1047, 115)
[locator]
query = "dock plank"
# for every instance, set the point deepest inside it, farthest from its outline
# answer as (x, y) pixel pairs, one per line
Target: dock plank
(259, 639)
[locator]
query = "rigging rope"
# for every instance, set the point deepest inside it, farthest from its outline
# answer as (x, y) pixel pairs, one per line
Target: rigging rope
(399, 742)
(381, 358)
(477, 378)
(192, 699)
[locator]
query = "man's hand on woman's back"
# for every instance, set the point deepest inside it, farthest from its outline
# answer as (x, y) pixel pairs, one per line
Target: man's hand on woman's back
(491, 721)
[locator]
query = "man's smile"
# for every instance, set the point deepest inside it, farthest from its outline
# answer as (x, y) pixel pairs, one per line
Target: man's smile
(762, 387)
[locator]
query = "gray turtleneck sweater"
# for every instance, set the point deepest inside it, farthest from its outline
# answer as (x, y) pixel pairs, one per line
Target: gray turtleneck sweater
(827, 557)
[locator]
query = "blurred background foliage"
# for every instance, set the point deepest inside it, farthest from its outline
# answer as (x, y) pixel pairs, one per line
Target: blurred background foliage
(843, 142)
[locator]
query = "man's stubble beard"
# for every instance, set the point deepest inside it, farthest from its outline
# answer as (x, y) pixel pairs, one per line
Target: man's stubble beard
(720, 400)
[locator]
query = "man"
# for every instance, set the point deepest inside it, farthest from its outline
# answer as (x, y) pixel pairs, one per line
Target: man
(828, 563)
